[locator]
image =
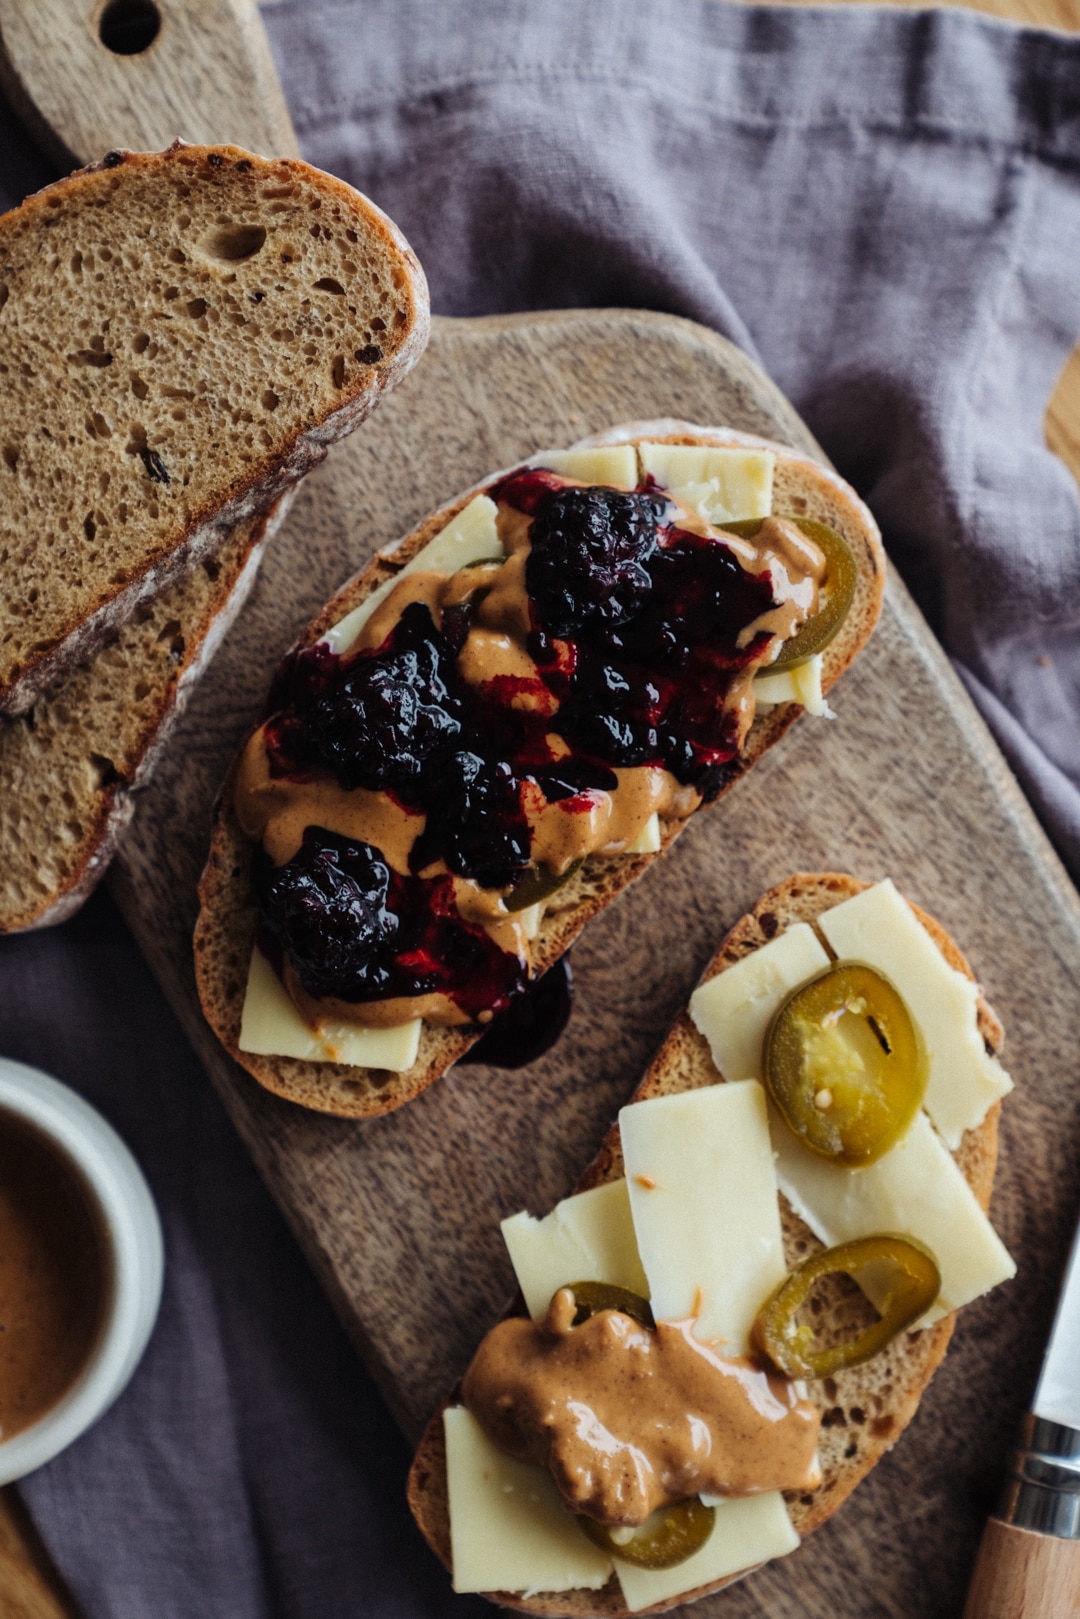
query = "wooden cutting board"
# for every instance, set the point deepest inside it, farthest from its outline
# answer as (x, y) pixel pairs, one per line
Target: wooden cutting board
(399, 1217)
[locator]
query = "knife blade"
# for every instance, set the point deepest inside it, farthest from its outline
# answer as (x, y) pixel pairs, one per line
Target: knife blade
(1028, 1565)
(1057, 1398)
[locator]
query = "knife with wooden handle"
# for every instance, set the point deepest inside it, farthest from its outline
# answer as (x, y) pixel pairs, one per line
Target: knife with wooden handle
(1028, 1565)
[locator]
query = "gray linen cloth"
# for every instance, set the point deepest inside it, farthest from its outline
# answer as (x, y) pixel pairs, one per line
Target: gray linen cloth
(881, 207)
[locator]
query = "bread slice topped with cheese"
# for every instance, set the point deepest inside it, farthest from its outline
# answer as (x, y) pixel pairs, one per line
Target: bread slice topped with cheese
(183, 333)
(707, 1204)
(499, 725)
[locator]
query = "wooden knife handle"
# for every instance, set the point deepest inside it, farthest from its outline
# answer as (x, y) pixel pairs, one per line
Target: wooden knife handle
(87, 76)
(1023, 1575)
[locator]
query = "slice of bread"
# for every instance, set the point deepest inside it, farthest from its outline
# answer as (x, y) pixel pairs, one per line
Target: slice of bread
(864, 1409)
(70, 767)
(226, 927)
(182, 335)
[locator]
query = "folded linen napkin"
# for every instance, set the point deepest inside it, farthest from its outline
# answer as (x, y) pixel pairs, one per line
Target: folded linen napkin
(881, 207)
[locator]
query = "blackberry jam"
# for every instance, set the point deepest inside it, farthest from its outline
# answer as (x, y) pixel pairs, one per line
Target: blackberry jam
(639, 632)
(587, 562)
(531, 1023)
(356, 931)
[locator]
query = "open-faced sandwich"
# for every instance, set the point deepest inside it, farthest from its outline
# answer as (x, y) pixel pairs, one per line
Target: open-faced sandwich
(497, 727)
(736, 1315)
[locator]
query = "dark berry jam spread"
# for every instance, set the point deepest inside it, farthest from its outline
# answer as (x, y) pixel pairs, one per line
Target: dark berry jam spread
(636, 642)
(355, 931)
(532, 1022)
(329, 911)
(374, 721)
(477, 821)
(390, 715)
(587, 559)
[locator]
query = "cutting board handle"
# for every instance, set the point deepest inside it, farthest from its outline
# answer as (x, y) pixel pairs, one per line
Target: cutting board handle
(1023, 1575)
(90, 75)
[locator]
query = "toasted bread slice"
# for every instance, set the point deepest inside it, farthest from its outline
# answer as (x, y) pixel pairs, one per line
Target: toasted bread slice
(864, 1409)
(183, 333)
(226, 928)
(70, 767)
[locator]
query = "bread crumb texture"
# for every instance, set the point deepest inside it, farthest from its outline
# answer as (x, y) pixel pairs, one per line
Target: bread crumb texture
(67, 766)
(181, 334)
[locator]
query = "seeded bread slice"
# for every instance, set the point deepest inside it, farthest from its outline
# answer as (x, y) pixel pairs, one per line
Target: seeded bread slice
(70, 767)
(227, 922)
(864, 1410)
(182, 335)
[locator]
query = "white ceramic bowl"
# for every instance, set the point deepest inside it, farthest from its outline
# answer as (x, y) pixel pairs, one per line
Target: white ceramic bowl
(132, 1231)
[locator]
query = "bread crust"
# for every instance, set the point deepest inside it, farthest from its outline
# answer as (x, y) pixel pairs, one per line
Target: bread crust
(225, 932)
(29, 765)
(79, 633)
(864, 1409)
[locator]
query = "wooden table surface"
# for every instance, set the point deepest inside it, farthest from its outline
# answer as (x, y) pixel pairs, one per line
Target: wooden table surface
(29, 1587)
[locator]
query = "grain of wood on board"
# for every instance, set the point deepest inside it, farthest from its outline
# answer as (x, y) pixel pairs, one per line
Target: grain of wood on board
(905, 782)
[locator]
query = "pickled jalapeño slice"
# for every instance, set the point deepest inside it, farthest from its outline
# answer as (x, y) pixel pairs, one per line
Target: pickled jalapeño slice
(537, 883)
(836, 594)
(592, 1297)
(845, 1064)
(668, 1536)
(906, 1281)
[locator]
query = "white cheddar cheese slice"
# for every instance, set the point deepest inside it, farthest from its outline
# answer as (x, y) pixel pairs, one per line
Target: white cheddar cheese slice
(799, 685)
(748, 1530)
(880, 928)
(271, 1026)
(531, 918)
(733, 1010)
(723, 484)
(586, 1238)
(915, 1190)
(612, 464)
(471, 536)
(509, 1529)
(648, 839)
(702, 1183)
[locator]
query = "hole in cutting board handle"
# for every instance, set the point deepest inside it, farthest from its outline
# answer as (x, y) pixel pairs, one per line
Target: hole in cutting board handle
(129, 27)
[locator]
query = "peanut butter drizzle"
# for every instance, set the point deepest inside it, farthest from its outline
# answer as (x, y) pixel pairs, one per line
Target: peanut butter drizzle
(506, 605)
(388, 1013)
(276, 810)
(426, 587)
(493, 655)
(628, 1419)
(600, 822)
(797, 566)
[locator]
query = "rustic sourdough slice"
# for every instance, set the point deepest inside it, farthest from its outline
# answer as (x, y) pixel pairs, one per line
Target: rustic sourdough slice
(182, 335)
(865, 1408)
(227, 922)
(70, 767)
